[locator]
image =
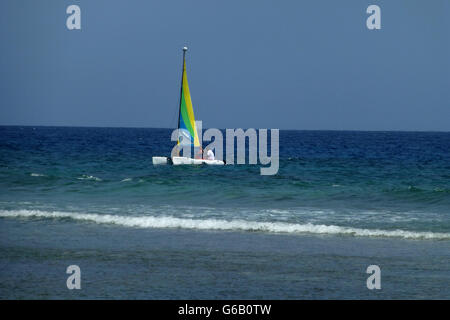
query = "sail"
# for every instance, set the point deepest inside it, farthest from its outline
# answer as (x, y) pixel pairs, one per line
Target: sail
(186, 121)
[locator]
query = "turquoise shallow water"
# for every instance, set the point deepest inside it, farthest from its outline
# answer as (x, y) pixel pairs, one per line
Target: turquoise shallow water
(367, 181)
(92, 194)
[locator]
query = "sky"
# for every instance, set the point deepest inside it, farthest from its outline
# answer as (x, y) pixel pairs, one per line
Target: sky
(306, 65)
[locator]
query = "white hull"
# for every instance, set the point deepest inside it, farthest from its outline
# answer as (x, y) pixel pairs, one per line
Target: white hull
(159, 160)
(186, 161)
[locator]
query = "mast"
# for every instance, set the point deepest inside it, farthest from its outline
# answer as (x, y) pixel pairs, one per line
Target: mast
(181, 86)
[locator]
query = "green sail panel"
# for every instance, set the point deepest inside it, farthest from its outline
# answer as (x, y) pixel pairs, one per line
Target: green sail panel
(187, 127)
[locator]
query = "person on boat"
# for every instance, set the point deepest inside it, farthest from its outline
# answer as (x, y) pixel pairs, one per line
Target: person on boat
(199, 154)
(210, 155)
(176, 150)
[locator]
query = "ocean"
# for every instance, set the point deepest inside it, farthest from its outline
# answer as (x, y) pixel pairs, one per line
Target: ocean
(341, 201)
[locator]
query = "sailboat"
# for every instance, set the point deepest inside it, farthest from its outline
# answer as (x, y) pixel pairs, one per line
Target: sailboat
(187, 130)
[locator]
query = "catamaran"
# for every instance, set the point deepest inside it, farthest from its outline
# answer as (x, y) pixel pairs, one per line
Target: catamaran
(187, 130)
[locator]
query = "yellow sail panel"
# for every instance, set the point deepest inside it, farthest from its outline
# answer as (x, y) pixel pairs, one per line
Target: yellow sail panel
(187, 119)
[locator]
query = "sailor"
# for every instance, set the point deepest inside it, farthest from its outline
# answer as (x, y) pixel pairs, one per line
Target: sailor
(199, 154)
(178, 147)
(210, 155)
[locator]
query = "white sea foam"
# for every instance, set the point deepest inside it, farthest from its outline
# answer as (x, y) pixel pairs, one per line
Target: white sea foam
(218, 224)
(86, 177)
(126, 179)
(37, 175)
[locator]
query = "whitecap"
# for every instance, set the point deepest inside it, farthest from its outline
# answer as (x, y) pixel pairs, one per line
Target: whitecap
(220, 224)
(86, 177)
(37, 175)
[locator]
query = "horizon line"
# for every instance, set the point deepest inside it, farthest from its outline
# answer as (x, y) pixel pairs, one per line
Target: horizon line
(130, 127)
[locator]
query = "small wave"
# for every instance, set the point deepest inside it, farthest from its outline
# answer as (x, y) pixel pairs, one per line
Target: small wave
(37, 175)
(441, 190)
(126, 179)
(218, 224)
(86, 177)
(414, 189)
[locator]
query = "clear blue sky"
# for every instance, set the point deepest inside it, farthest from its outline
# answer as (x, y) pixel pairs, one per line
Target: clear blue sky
(263, 64)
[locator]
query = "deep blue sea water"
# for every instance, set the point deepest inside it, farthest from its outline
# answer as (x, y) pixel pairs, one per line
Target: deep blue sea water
(342, 200)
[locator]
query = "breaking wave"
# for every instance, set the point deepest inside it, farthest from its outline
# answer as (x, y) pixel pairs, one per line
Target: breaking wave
(219, 224)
